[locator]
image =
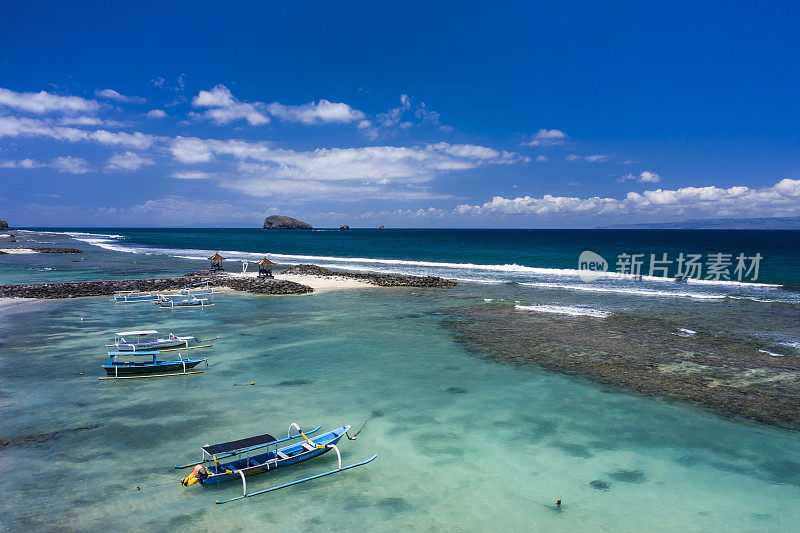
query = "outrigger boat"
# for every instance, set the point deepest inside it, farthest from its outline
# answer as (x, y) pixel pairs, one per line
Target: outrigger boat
(204, 287)
(210, 470)
(126, 369)
(135, 296)
(186, 302)
(131, 341)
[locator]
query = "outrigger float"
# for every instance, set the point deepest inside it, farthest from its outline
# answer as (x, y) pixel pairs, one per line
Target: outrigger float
(116, 369)
(247, 464)
(132, 341)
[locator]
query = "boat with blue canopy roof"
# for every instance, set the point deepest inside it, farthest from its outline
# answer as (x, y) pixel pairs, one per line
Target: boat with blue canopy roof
(260, 454)
(116, 368)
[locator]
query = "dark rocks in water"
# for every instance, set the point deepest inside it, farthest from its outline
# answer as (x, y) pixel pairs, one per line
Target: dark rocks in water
(57, 250)
(725, 373)
(27, 440)
(294, 382)
(78, 289)
(3, 224)
(377, 414)
(628, 476)
(345, 227)
(456, 390)
(396, 505)
(574, 449)
(599, 484)
(284, 222)
(383, 280)
(381, 228)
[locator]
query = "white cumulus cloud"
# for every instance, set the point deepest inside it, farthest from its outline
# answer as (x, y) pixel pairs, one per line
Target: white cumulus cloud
(70, 165)
(111, 94)
(315, 112)
(372, 171)
(44, 102)
(644, 176)
(545, 137)
(782, 199)
(223, 108)
(128, 161)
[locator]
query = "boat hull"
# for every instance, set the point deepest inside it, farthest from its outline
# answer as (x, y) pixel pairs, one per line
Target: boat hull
(127, 369)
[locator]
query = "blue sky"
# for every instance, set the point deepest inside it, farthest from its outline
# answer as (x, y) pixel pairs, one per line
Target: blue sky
(457, 114)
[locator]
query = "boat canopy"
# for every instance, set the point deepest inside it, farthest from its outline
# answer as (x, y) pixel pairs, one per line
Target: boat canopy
(133, 353)
(237, 445)
(131, 333)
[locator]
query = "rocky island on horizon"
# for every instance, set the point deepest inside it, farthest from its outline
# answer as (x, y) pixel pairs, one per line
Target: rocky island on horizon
(284, 222)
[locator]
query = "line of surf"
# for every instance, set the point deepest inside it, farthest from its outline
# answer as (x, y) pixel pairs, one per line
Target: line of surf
(564, 310)
(112, 242)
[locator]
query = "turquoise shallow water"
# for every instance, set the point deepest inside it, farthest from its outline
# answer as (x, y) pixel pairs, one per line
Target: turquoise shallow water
(465, 444)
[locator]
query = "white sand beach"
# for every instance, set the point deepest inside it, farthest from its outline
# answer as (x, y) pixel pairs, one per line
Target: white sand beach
(318, 283)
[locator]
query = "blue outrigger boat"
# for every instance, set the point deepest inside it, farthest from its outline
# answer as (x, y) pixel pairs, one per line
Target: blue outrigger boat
(135, 297)
(126, 369)
(131, 341)
(192, 301)
(269, 457)
(204, 287)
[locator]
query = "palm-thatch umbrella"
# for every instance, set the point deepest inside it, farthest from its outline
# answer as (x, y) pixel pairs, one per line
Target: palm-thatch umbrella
(263, 271)
(216, 261)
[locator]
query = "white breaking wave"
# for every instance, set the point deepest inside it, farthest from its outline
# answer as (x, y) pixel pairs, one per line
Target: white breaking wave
(564, 310)
(635, 292)
(773, 354)
(683, 332)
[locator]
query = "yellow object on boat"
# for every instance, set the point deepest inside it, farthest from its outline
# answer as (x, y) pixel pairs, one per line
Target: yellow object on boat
(189, 480)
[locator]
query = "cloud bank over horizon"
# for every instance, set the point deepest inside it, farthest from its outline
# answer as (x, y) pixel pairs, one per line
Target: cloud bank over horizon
(111, 135)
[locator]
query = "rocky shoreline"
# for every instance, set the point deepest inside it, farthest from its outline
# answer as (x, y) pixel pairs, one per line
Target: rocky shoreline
(80, 289)
(382, 280)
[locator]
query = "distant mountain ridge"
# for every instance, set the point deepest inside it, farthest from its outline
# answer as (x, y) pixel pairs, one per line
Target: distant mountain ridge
(775, 223)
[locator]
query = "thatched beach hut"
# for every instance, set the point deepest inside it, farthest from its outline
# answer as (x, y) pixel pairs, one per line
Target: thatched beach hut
(216, 262)
(263, 268)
